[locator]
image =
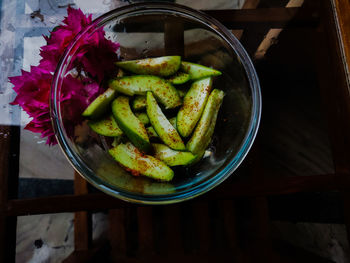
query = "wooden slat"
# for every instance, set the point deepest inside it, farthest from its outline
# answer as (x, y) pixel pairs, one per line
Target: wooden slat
(245, 18)
(117, 232)
(342, 8)
(335, 86)
(172, 236)
(82, 219)
(9, 163)
(202, 225)
(228, 190)
(334, 89)
(174, 38)
(145, 230)
(271, 17)
(254, 35)
(227, 208)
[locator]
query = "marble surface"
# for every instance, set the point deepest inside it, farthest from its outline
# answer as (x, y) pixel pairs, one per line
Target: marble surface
(50, 238)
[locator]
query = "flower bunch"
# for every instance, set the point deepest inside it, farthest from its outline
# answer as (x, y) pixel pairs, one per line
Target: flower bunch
(33, 87)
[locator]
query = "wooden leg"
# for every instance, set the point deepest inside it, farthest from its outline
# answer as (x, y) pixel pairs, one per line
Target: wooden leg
(82, 220)
(145, 230)
(202, 224)
(117, 233)
(8, 238)
(9, 163)
(174, 38)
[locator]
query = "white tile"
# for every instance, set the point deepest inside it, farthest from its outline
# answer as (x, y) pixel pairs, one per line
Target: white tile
(93, 6)
(38, 160)
(31, 51)
(31, 6)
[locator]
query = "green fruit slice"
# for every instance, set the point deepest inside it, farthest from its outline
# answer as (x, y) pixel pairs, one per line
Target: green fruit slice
(138, 163)
(151, 132)
(161, 66)
(202, 134)
(100, 105)
(142, 116)
(197, 71)
(171, 157)
(179, 78)
(130, 124)
(131, 85)
(117, 140)
(106, 126)
(140, 84)
(139, 103)
(193, 106)
(162, 126)
(182, 93)
(173, 122)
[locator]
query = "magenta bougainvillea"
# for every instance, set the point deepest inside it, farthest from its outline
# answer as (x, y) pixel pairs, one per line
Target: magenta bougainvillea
(33, 87)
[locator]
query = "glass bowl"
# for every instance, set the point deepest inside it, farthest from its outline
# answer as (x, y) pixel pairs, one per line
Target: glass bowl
(157, 29)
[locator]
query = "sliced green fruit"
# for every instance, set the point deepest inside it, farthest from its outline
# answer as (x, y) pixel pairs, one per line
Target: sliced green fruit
(197, 71)
(139, 103)
(100, 105)
(162, 126)
(179, 78)
(140, 84)
(173, 122)
(138, 163)
(202, 134)
(161, 66)
(142, 117)
(151, 132)
(130, 124)
(117, 140)
(182, 93)
(106, 126)
(193, 106)
(131, 85)
(171, 157)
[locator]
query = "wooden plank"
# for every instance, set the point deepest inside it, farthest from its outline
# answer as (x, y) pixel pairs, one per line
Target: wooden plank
(253, 35)
(174, 37)
(228, 190)
(342, 9)
(173, 230)
(278, 17)
(82, 219)
(9, 165)
(62, 204)
(145, 230)
(202, 225)
(117, 232)
(334, 88)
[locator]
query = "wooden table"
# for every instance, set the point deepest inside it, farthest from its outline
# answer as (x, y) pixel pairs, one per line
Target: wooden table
(314, 42)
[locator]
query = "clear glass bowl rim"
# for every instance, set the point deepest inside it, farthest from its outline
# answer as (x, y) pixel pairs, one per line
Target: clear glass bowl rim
(186, 194)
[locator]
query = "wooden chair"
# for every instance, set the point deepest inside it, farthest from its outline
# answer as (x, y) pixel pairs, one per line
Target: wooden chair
(210, 228)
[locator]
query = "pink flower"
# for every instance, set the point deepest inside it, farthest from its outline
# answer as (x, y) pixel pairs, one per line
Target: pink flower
(95, 55)
(61, 36)
(33, 92)
(91, 48)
